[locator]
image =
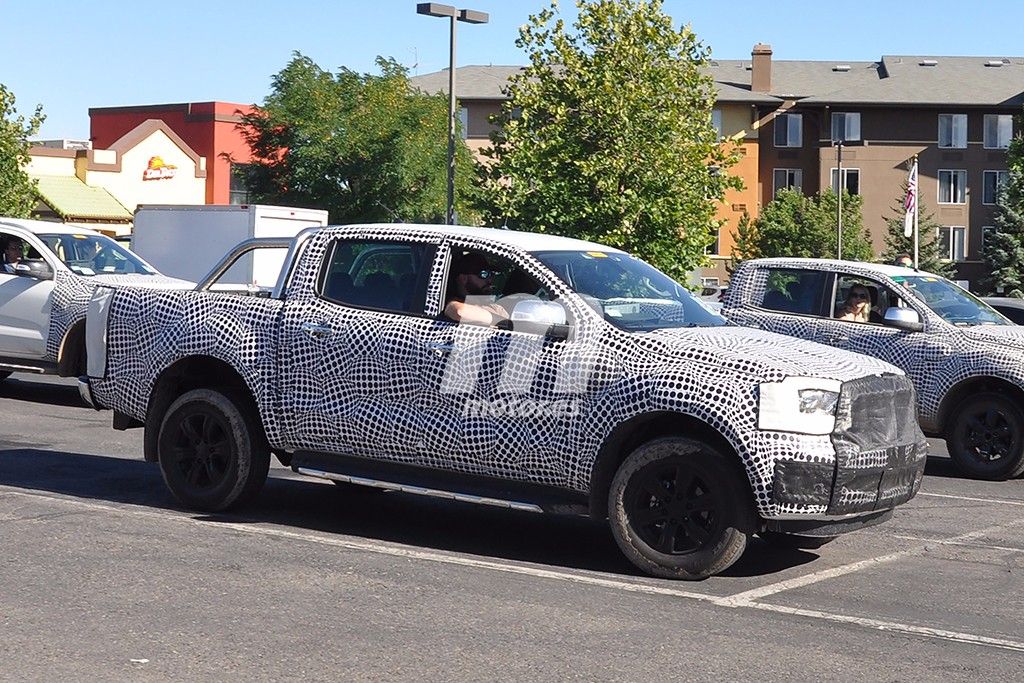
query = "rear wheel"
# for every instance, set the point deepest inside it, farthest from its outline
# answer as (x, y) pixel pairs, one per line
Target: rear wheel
(986, 439)
(212, 452)
(679, 510)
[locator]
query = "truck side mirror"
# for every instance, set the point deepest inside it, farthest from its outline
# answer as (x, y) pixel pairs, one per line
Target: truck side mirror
(540, 317)
(903, 319)
(37, 268)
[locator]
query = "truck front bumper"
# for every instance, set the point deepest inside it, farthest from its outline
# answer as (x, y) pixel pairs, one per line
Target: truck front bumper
(880, 453)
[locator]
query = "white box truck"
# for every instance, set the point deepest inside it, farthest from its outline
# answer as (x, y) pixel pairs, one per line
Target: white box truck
(188, 241)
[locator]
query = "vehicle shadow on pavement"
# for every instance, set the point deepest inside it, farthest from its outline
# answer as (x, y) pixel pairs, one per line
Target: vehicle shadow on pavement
(938, 466)
(39, 392)
(295, 502)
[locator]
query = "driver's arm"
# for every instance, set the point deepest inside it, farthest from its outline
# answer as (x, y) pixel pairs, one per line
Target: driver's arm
(472, 314)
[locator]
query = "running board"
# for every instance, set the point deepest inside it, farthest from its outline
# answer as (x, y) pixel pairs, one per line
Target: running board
(421, 480)
(420, 491)
(18, 365)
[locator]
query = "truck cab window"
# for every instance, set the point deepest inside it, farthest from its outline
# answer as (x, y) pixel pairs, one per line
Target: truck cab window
(385, 276)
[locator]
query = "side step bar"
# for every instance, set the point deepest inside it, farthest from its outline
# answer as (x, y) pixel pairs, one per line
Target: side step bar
(421, 491)
(18, 365)
(421, 480)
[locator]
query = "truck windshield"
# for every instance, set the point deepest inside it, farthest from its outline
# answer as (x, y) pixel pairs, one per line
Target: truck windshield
(628, 292)
(94, 255)
(953, 304)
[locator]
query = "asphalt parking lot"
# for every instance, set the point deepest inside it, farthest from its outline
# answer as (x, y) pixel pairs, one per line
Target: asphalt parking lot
(102, 577)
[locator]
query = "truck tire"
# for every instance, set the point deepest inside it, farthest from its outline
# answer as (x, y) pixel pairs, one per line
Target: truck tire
(678, 510)
(986, 437)
(212, 452)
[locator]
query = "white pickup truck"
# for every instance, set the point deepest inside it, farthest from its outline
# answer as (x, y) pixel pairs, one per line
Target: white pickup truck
(45, 292)
(594, 385)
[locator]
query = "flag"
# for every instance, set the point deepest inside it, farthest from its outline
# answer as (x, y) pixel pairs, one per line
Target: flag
(910, 202)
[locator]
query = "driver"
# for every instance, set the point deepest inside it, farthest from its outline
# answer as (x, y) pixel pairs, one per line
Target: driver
(13, 251)
(473, 278)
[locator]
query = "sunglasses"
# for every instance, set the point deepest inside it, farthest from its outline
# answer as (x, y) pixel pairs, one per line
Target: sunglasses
(859, 295)
(488, 274)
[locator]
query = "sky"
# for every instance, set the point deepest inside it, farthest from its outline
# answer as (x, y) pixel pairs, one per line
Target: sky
(70, 55)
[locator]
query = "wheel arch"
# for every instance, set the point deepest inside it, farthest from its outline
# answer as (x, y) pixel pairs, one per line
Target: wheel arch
(973, 385)
(71, 355)
(186, 374)
(629, 435)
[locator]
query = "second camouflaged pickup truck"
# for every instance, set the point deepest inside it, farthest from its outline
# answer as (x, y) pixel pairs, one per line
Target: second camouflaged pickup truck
(577, 379)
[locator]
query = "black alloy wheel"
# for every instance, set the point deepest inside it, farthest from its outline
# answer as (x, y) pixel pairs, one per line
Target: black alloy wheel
(212, 451)
(672, 509)
(680, 509)
(201, 449)
(986, 440)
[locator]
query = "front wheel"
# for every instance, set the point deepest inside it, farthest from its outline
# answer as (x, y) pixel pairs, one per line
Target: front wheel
(212, 452)
(986, 438)
(678, 510)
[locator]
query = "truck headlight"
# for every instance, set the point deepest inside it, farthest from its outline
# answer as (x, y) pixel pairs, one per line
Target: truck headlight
(803, 405)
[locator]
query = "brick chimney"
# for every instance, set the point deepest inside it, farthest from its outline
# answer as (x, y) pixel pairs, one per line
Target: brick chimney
(761, 68)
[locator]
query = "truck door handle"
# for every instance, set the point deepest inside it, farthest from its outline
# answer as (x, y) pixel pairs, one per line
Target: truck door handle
(838, 338)
(440, 348)
(317, 331)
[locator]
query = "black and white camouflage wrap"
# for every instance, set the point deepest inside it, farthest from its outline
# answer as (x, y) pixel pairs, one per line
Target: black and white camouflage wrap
(420, 389)
(71, 295)
(936, 360)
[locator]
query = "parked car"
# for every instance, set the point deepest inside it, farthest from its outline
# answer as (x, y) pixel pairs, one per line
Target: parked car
(966, 360)
(44, 297)
(1010, 307)
(604, 389)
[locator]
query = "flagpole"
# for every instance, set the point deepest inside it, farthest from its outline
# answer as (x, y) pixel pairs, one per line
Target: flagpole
(917, 205)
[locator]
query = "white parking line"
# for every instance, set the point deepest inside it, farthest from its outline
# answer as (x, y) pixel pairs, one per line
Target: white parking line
(976, 546)
(743, 600)
(999, 501)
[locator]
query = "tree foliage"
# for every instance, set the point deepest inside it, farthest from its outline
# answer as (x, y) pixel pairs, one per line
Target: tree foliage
(795, 225)
(365, 147)
(1004, 248)
(17, 190)
(745, 241)
(607, 135)
(930, 256)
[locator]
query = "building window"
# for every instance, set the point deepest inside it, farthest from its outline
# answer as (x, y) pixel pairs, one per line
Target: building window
(239, 190)
(712, 249)
(788, 179)
(464, 122)
(953, 242)
(994, 181)
(845, 126)
(789, 130)
(952, 187)
(998, 130)
(851, 180)
(716, 122)
(986, 236)
(953, 131)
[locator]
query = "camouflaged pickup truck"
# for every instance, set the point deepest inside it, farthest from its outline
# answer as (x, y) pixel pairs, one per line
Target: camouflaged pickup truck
(586, 382)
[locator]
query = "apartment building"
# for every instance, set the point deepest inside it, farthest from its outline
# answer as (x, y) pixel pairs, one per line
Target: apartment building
(955, 113)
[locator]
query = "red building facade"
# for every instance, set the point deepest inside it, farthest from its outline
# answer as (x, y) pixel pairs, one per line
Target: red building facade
(209, 128)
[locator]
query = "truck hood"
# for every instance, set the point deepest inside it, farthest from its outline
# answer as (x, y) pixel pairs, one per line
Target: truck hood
(763, 354)
(1009, 338)
(146, 281)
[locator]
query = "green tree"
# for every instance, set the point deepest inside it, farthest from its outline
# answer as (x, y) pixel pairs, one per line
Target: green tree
(1004, 248)
(365, 147)
(930, 256)
(795, 225)
(607, 135)
(17, 190)
(745, 241)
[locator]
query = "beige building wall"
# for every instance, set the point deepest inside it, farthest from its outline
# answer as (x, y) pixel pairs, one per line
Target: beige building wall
(154, 171)
(38, 164)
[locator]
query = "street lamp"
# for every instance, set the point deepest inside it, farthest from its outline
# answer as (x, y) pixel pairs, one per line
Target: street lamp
(839, 144)
(469, 16)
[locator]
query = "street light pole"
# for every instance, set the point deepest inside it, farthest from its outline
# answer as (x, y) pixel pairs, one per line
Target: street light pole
(839, 199)
(469, 16)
